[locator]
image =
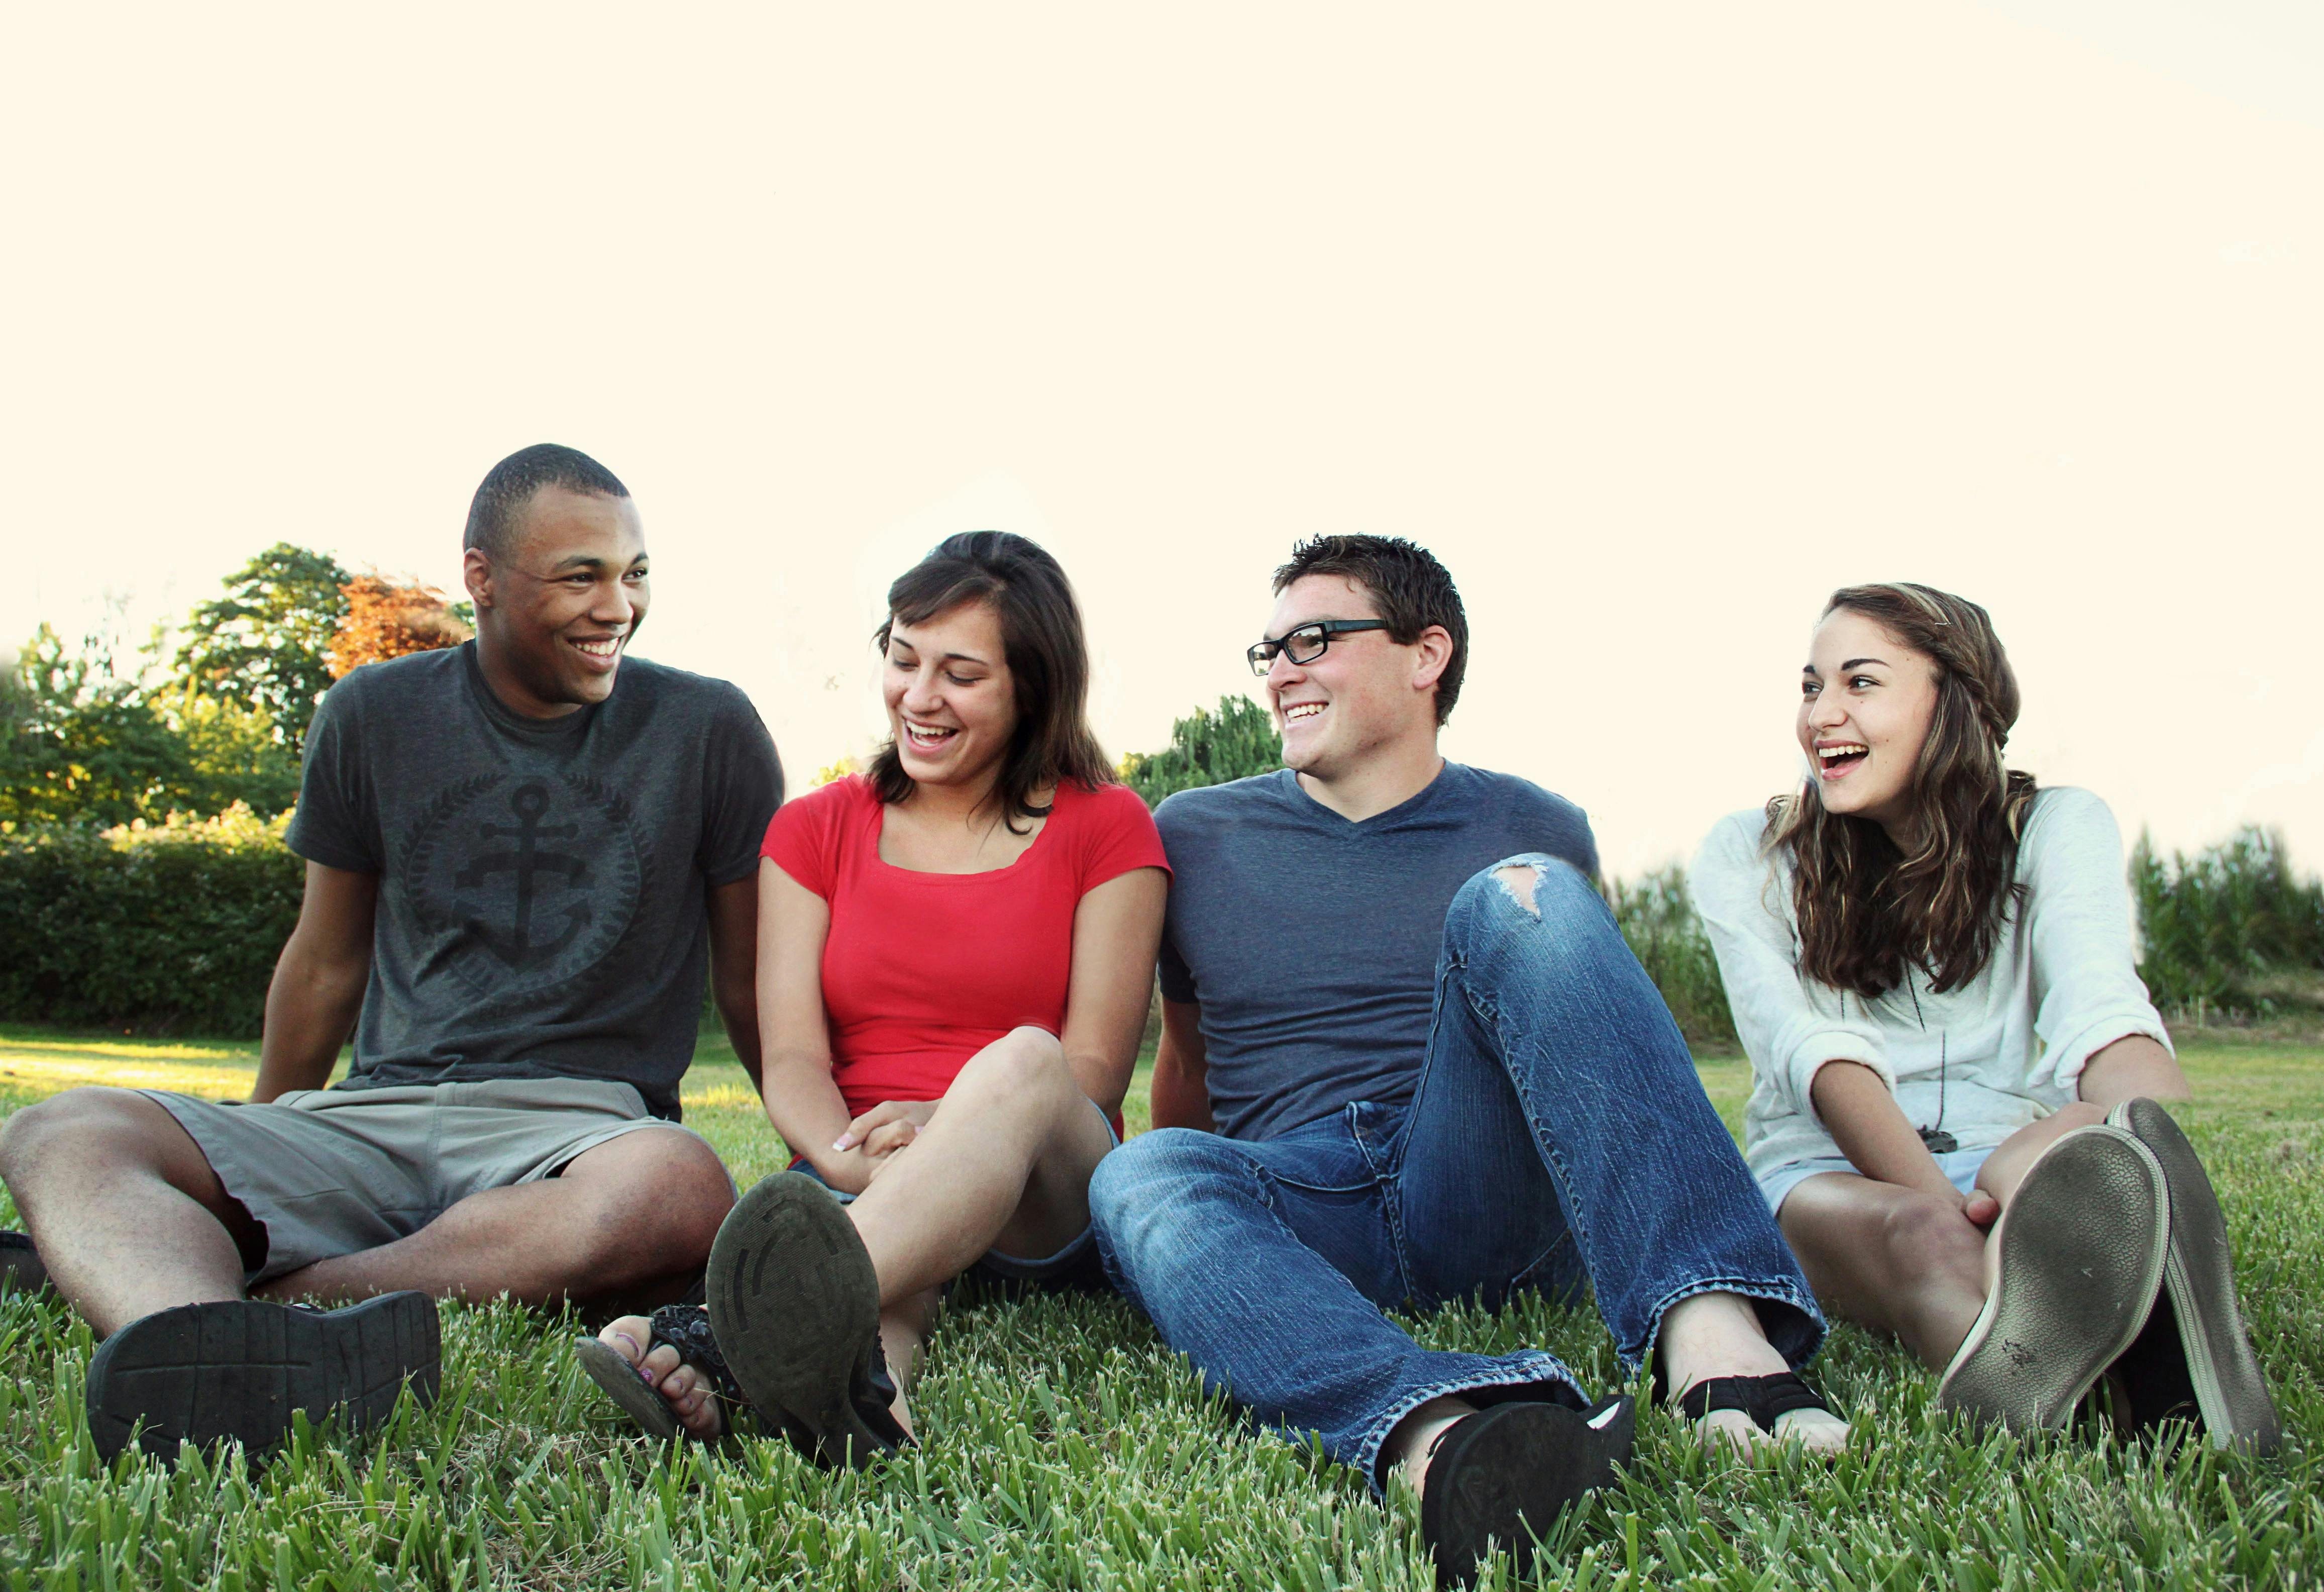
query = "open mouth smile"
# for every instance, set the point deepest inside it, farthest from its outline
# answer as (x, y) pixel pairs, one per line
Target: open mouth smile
(1835, 758)
(928, 737)
(1293, 712)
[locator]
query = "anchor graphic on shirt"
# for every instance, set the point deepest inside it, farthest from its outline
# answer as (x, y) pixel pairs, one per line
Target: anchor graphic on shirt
(519, 949)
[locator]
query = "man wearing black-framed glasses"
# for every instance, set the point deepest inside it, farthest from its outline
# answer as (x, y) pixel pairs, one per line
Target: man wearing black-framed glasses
(1408, 1059)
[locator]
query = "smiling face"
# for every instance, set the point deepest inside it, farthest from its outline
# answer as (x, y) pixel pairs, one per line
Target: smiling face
(555, 613)
(952, 702)
(1867, 701)
(1366, 695)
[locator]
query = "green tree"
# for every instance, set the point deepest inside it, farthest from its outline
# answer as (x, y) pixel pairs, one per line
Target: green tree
(83, 745)
(266, 643)
(1207, 749)
(234, 754)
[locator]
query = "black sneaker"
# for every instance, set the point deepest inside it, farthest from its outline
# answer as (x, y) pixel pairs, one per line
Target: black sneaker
(795, 1305)
(2194, 1351)
(1500, 1478)
(21, 1270)
(240, 1369)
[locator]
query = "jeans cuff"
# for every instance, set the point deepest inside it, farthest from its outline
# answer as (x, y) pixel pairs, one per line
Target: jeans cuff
(1796, 1342)
(1530, 1369)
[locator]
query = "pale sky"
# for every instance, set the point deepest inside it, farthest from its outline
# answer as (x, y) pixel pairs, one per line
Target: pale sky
(1655, 323)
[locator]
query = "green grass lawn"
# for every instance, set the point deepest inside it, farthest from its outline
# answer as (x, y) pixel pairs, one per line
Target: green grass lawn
(1067, 1448)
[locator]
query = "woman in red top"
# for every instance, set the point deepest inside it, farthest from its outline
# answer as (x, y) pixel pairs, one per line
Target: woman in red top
(955, 955)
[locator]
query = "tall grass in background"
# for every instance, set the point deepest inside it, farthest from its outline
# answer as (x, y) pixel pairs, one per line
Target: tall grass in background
(1658, 921)
(2231, 930)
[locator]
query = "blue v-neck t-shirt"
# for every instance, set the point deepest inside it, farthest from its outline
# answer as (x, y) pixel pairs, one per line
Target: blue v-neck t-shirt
(1311, 943)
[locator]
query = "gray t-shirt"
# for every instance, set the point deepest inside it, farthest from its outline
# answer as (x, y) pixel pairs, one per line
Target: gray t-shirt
(541, 898)
(1311, 942)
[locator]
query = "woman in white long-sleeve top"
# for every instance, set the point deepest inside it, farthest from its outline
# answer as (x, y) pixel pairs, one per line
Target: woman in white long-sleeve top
(1955, 1066)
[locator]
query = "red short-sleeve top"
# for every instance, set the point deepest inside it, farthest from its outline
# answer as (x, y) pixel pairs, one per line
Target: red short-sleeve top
(920, 971)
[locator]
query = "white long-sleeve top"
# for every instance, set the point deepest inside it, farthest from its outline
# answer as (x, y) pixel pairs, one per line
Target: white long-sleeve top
(1981, 1061)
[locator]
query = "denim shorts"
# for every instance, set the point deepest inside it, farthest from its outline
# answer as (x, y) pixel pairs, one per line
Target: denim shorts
(1959, 1166)
(1076, 1267)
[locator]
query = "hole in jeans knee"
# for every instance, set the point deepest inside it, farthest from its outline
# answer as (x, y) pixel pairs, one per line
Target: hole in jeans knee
(1519, 880)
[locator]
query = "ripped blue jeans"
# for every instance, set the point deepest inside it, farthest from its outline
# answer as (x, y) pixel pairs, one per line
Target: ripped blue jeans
(1557, 1135)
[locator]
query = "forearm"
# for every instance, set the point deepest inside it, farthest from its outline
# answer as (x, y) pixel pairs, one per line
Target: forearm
(1103, 1080)
(2133, 1066)
(310, 1007)
(1863, 1120)
(805, 1107)
(737, 1000)
(1180, 1099)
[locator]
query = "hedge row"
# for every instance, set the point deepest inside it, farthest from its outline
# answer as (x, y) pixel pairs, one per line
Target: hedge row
(165, 929)
(176, 928)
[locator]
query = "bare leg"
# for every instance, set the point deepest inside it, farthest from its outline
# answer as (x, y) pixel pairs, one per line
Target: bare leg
(903, 1334)
(630, 1214)
(1900, 1261)
(1004, 1163)
(2006, 1167)
(1890, 1258)
(128, 1215)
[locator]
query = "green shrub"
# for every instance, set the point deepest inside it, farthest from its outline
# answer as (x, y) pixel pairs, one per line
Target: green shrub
(173, 928)
(2230, 930)
(1658, 921)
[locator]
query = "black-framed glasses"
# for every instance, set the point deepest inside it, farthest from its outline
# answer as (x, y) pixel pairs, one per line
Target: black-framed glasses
(1305, 643)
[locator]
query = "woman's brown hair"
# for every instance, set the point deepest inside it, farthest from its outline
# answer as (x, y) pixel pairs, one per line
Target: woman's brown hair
(1867, 912)
(1048, 662)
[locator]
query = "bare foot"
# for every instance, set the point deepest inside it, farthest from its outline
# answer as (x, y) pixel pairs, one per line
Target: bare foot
(1713, 1335)
(1412, 1443)
(687, 1390)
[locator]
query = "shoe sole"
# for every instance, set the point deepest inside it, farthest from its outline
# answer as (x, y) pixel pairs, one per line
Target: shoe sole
(2199, 1281)
(640, 1402)
(240, 1370)
(796, 1306)
(2080, 1264)
(1501, 1478)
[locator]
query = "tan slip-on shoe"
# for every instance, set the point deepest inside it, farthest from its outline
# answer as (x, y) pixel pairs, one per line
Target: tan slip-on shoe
(2079, 1264)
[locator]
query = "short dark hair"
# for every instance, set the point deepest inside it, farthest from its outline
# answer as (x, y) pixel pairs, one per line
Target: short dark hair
(510, 485)
(1412, 590)
(1048, 661)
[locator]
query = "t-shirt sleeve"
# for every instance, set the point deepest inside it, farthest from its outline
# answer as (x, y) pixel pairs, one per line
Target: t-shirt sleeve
(742, 785)
(1117, 837)
(803, 839)
(2086, 988)
(1177, 978)
(1549, 823)
(338, 820)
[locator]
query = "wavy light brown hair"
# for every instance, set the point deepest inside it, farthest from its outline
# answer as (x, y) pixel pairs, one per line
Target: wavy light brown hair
(1867, 912)
(1048, 662)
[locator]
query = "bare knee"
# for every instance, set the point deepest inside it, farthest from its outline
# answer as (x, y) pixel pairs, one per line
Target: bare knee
(654, 1200)
(85, 1128)
(1519, 879)
(1022, 1068)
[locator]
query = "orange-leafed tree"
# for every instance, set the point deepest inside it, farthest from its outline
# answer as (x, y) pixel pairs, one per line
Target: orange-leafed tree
(386, 619)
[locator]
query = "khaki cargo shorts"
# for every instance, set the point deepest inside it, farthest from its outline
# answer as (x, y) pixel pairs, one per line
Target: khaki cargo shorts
(331, 1172)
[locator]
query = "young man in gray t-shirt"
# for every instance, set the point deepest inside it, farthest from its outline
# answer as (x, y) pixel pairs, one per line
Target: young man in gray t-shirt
(1408, 1059)
(523, 856)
